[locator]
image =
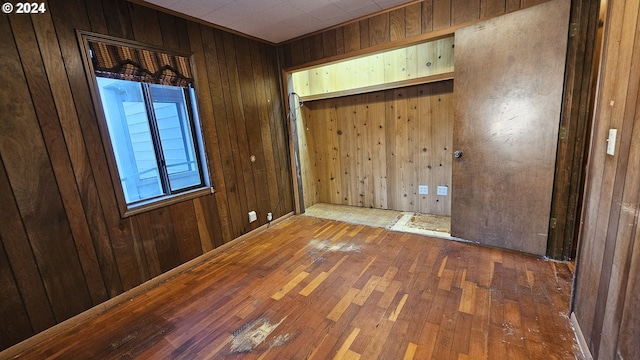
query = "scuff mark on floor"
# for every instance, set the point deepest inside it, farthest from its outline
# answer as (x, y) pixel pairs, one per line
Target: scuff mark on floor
(254, 333)
(327, 246)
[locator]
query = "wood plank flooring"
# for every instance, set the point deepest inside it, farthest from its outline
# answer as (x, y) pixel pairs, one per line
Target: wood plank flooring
(309, 288)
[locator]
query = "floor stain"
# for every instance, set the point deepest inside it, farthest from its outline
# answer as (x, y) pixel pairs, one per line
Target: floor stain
(318, 246)
(254, 333)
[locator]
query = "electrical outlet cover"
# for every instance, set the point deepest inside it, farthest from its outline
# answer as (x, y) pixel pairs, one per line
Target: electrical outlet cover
(443, 190)
(423, 189)
(252, 216)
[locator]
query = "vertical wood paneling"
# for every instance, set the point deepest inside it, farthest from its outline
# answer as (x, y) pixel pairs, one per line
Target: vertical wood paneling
(339, 41)
(238, 127)
(413, 20)
(352, 37)
(492, 7)
(512, 5)
(575, 120)
(379, 29)
(116, 14)
(228, 187)
(145, 24)
(209, 227)
(425, 147)
(373, 150)
(397, 24)
(329, 44)
(206, 76)
(255, 170)
(185, 227)
(606, 303)
(630, 326)
(38, 200)
(442, 141)
(107, 207)
(163, 235)
(268, 198)
(463, 11)
(12, 309)
(95, 15)
(168, 31)
(316, 47)
(307, 158)
(66, 245)
(145, 233)
(278, 129)
(54, 137)
(427, 16)
(365, 40)
(22, 261)
(333, 153)
(441, 14)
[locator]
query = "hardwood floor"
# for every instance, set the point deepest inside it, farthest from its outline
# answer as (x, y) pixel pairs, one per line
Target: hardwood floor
(309, 288)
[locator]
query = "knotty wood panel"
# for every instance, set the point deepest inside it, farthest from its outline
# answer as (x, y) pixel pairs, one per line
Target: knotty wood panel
(606, 303)
(373, 150)
(66, 245)
(438, 15)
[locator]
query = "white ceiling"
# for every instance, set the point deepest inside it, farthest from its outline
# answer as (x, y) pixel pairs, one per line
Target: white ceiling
(276, 20)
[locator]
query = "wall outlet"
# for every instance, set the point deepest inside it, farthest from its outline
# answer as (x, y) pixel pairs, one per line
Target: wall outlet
(423, 189)
(252, 216)
(443, 190)
(269, 216)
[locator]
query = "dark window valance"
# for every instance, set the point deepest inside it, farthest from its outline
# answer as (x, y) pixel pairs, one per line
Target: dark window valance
(137, 64)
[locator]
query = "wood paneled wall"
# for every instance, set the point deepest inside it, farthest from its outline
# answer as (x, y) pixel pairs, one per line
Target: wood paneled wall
(401, 23)
(375, 149)
(393, 185)
(64, 247)
(607, 289)
(416, 20)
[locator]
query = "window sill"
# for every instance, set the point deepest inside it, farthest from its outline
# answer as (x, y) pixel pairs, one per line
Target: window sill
(164, 201)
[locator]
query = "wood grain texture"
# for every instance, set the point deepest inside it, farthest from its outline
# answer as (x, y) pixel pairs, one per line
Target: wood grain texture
(437, 15)
(386, 27)
(68, 248)
(605, 300)
(354, 156)
(580, 80)
(508, 202)
(38, 201)
(321, 289)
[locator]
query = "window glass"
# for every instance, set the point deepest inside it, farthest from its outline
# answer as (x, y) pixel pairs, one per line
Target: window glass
(131, 139)
(169, 105)
(152, 136)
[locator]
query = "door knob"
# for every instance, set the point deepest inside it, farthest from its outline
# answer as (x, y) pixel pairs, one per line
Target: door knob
(457, 154)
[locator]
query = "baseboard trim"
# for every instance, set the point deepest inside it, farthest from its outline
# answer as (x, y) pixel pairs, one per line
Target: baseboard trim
(582, 342)
(20, 347)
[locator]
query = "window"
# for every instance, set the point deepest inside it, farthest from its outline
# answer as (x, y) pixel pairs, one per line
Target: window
(148, 103)
(152, 137)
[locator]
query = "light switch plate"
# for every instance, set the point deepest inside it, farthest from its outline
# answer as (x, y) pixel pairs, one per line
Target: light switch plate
(423, 189)
(611, 141)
